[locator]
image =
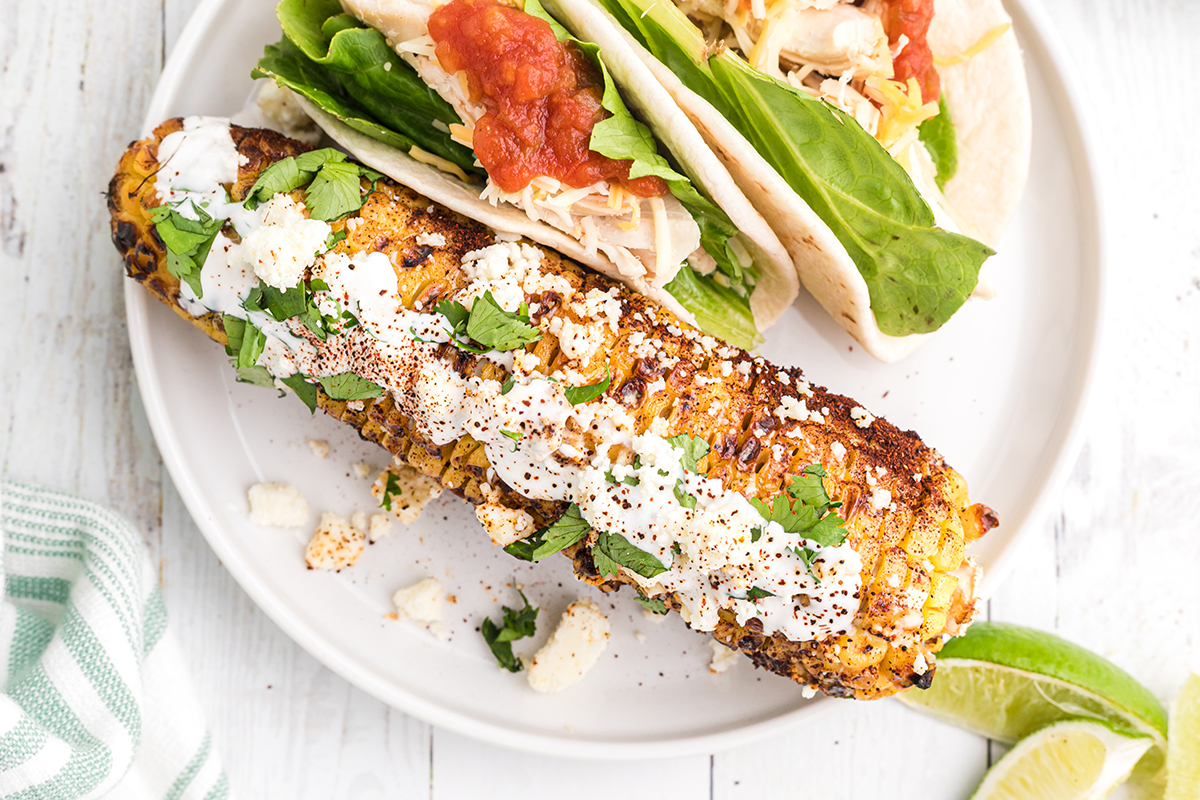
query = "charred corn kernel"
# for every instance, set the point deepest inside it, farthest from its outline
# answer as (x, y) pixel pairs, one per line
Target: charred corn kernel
(951, 549)
(861, 650)
(668, 383)
(933, 624)
(941, 590)
(922, 539)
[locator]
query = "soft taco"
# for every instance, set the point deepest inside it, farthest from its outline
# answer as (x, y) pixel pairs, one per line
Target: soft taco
(501, 115)
(887, 141)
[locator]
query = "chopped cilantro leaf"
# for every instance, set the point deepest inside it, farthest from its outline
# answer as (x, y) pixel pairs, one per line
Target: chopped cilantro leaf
(497, 329)
(694, 449)
(307, 392)
(754, 595)
(612, 550)
(507, 386)
(456, 313)
(187, 241)
(568, 529)
(807, 556)
(256, 376)
(755, 534)
(334, 238)
(348, 386)
(584, 394)
(681, 494)
(806, 509)
(517, 624)
(391, 488)
(516, 436)
(655, 605)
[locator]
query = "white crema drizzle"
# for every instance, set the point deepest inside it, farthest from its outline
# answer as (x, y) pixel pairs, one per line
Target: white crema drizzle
(708, 552)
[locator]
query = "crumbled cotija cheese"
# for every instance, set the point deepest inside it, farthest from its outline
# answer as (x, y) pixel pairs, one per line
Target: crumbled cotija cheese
(278, 505)
(379, 527)
(423, 603)
(862, 418)
(504, 525)
(415, 491)
(334, 545)
(722, 657)
(572, 649)
(431, 239)
(319, 448)
(285, 244)
(361, 469)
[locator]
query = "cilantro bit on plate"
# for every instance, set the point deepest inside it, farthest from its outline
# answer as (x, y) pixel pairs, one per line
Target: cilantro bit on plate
(517, 624)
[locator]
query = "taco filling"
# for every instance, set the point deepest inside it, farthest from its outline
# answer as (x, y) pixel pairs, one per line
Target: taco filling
(503, 96)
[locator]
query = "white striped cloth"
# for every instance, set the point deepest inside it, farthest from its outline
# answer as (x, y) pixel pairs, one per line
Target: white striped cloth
(95, 699)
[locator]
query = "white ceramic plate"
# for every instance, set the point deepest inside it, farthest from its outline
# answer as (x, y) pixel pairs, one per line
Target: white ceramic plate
(999, 392)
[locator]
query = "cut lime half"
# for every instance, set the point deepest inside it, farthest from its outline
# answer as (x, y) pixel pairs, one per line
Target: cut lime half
(1005, 682)
(1071, 760)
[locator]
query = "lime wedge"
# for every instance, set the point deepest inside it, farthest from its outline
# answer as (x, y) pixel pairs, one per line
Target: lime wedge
(1072, 760)
(1183, 753)
(1004, 682)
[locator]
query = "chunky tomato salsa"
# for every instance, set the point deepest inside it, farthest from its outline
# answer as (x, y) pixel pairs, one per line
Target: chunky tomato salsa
(542, 97)
(911, 18)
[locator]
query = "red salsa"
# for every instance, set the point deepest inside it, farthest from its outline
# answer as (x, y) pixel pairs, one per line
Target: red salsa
(911, 18)
(542, 97)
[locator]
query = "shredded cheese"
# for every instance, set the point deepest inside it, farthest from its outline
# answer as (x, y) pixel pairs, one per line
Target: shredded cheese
(462, 134)
(425, 157)
(986, 41)
(900, 109)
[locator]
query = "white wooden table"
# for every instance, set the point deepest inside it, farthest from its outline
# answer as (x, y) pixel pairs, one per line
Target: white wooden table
(1116, 567)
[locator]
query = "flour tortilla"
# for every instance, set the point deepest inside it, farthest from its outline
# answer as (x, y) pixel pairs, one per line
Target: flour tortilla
(777, 286)
(989, 103)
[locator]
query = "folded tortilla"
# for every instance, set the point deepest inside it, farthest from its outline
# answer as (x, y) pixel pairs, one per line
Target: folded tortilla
(777, 284)
(988, 98)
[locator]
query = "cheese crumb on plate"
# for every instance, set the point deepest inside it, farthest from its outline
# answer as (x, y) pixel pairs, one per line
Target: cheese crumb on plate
(277, 505)
(335, 544)
(572, 650)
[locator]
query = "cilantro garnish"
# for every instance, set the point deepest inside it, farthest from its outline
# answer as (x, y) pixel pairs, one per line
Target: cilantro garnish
(299, 384)
(507, 386)
(584, 394)
(806, 509)
(655, 605)
(754, 595)
(187, 241)
(334, 238)
(488, 324)
(334, 188)
(628, 480)
(517, 624)
(565, 531)
(497, 329)
(612, 550)
(348, 386)
(694, 449)
(300, 303)
(516, 436)
(807, 555)
(391, 488)
(681, 494)
(755, 534)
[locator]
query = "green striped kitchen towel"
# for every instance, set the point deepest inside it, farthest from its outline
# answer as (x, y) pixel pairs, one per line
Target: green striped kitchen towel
(95, 699)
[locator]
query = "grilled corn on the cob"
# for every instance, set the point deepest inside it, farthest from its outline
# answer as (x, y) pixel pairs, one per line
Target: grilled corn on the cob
(871, 630)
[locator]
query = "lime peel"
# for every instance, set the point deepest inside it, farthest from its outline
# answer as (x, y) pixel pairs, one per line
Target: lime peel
(1183, 752)
(1054, 657)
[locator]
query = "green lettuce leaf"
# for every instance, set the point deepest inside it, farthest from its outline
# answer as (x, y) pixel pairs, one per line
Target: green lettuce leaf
(622, 137)
(940, 139)
(718, 309)
(917, 275)
(351, 72)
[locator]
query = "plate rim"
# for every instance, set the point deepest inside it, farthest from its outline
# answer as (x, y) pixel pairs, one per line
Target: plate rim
(1063, 81)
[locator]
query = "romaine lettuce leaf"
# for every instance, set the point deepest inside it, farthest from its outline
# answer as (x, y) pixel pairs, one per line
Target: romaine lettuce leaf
(917, 275)
(351, 72)
(718, 309)
(938, 136)
(622, 137)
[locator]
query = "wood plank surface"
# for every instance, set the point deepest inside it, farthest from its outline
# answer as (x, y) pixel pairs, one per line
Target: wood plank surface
(1113, 567)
